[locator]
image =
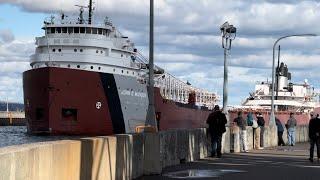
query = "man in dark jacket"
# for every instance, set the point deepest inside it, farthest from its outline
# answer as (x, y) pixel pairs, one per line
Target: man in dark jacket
(261, 122)
(314, 136)
(280, 132)
(217, 126)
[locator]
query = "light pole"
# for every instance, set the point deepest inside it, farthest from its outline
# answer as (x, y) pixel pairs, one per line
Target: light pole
(151, 119)
(228, 35)
(272, 116)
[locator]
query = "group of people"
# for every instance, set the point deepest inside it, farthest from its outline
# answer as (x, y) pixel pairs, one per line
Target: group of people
(217, 126)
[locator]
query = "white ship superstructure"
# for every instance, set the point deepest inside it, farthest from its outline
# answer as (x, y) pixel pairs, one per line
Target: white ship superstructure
(88, 78)
(288, 96)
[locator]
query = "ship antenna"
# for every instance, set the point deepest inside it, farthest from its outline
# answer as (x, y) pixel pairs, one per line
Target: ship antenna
(81, 19)
(90, 11)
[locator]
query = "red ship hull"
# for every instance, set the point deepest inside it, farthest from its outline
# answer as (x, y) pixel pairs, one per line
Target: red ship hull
(62, 101)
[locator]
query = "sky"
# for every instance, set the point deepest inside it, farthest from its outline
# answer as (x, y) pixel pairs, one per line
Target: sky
(187, 38)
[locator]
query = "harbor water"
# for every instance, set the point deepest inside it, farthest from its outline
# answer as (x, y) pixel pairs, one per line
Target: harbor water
(15, 135)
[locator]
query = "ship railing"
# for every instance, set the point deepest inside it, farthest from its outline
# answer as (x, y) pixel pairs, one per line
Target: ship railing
(177, 90)
(174, 89)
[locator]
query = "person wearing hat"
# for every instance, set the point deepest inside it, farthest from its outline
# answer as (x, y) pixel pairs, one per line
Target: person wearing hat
(217, 126)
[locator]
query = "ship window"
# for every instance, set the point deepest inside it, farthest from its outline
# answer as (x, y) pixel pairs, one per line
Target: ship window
(122, 71)
(39, 114)
(81, 50)
(59, 50)
(114, 70)
(75, 50)
(69, 65)
(94, 31)
(69, 114)
(101, 52)
(88, 30)
(64, 30)
(82, 30)
(53, 30)
(78, 66)
(58, 30)
(48, 30)
(53, 50)
(70, 30)
(121, 55)
(97, 51)
(76, 30)
(99, 68)
(104, 32)
(99, 31)
(91, 67)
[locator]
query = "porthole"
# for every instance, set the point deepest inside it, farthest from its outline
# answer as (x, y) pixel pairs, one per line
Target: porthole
(97, 51)
(91, 67)
(99, 68)
(101, 52)
(78, 66)
(121, 55)
(81, 50)
(75, 50)
(127, 72)
(132, 73)
(59, 50)
(121, 71)
(53, 50)
(114, 70)
(68, 65)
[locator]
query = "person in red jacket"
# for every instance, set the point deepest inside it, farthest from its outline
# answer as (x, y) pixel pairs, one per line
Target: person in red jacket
(217, 126)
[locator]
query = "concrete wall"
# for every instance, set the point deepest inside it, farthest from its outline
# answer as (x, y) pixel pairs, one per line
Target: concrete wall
(122, 156)
(270, 137)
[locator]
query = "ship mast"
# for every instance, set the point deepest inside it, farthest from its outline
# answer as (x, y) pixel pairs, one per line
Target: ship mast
(90, 11)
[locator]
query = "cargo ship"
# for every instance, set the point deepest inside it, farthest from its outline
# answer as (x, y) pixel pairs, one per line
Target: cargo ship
(298, 98)
(86, 78)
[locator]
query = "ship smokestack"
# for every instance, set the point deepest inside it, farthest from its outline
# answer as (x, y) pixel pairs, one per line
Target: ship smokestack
(283, 77)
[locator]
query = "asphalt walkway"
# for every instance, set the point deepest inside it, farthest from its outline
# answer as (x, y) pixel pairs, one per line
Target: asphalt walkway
(270, 164)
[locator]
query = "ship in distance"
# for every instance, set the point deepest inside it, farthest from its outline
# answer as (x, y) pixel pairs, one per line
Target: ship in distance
(86, 78)
(290, 97)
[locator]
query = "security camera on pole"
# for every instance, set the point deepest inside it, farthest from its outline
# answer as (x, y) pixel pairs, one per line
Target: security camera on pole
(228, 35)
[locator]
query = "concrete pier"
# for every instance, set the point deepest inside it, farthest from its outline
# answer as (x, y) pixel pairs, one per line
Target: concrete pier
(126, 156)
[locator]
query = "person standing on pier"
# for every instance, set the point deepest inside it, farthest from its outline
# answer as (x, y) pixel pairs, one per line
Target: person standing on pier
(291, 127)
(217, 126)
(242, 123)
(314, 136)
(261, 122)
(280, 132)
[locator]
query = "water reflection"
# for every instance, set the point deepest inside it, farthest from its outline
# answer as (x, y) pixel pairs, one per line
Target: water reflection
(196, 173)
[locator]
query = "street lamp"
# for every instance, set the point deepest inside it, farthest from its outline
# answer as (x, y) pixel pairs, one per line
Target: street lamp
(272, 116)
(228, 33)
(151, 117)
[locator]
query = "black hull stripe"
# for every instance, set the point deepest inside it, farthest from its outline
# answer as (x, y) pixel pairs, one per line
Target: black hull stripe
(111, 92)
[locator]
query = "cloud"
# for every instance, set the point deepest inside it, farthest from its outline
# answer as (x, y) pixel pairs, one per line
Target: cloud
(187, 37)
(6, 35)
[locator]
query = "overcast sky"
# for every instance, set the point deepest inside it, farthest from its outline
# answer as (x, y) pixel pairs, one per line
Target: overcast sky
(187, 38)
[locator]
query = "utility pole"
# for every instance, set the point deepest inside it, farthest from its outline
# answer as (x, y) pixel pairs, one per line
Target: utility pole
(151, 119)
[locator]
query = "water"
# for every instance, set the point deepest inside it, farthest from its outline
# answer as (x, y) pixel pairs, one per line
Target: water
(196, 173)
(15, 135)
